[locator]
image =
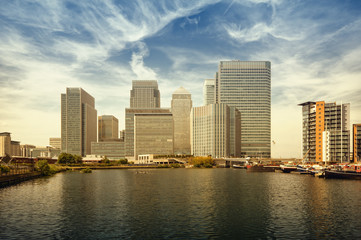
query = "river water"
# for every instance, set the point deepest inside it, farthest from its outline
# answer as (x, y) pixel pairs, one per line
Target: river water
(181, 204)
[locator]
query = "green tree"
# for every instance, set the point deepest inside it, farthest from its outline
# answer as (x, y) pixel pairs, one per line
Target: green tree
(43, 167)
(202, 162)
(78, 159)
(105, 160)
(65, 158)
(123, 161)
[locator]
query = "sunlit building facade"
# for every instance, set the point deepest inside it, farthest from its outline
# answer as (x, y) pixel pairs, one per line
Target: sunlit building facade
(144, 94)
(153, 134)
(210, 130)
(246, 85)
(356, 142)
(129, 125)
(108, 128)
(326, 131)
(78, 121)
(181, 110)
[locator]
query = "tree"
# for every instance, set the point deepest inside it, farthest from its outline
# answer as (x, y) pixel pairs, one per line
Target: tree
(123, 161)
(199, 162)
(78, 159)
(105, 160)
(43, 167)
(67, 158)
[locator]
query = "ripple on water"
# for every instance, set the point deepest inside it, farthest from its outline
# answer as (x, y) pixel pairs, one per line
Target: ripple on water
(180, 204)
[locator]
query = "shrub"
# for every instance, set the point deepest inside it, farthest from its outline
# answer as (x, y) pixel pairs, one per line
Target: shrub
(105, 160)
(43, 167)
(67, 158)
(86, 170)
(4, 169)
(202, 162)
(123, 161)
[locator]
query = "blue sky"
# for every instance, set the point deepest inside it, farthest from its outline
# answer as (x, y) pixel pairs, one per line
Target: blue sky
(46, 46)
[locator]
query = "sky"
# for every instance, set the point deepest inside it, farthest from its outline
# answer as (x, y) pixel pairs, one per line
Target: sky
(101, 46)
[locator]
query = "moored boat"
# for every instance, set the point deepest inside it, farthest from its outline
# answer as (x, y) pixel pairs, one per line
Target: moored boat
(239, 166)
(343, 174)
(261, 168)
(288, 168)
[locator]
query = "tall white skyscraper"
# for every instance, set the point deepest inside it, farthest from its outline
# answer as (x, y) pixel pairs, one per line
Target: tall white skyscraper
(246, 85)
(210, 130)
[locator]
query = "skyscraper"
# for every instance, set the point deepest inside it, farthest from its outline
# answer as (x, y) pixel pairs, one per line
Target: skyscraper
(78, 121)
(246, 85)
(208, 91)
(144, 94)
(181, 110)
(326, 131)
(153, 134)
(130, 127)
(108, 126)
(210, 130)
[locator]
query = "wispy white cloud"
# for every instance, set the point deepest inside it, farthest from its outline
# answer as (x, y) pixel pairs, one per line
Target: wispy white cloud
(137, 63)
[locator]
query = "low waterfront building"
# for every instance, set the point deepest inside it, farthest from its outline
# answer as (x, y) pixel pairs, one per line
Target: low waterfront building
(111, 149)
(356, 142)
(9, 147)
(47, 152)
(15, 148)
(145, 159)
(26, 150)
(326, 131)
(5, 144)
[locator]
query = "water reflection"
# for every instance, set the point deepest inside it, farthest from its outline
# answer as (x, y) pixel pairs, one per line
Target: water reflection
(180, 204)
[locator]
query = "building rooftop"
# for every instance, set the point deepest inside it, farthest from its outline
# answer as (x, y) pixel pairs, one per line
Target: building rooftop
(306, 103)
(181, 90)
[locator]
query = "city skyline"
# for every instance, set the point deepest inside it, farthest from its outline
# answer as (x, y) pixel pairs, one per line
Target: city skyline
(313, 47)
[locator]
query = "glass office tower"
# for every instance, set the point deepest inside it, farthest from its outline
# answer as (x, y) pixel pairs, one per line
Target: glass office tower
(246, 85)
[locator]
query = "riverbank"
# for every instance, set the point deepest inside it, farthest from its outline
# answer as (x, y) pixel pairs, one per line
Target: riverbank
(6, 181)
(10, 180)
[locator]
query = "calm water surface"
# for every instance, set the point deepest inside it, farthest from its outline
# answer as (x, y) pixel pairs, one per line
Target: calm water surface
(181, 204)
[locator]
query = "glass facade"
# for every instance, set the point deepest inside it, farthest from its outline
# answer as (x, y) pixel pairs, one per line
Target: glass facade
(144, 94)
(181, 110)
(78, 121)
(246, 85)
(108, 128)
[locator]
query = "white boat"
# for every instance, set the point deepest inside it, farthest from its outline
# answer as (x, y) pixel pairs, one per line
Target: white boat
(287, 168)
